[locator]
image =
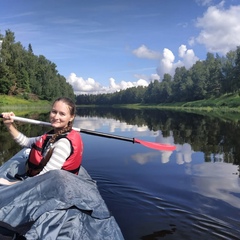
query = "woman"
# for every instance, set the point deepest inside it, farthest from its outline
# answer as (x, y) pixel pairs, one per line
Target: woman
(60, 148)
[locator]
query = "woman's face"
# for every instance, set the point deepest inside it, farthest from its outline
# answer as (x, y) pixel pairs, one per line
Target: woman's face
(60, 115)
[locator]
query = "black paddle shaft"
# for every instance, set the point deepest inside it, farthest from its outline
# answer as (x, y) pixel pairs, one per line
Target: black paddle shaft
(100, 134)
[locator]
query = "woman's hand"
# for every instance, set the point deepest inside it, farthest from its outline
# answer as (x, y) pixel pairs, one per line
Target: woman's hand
(8, 121)
(4, 181)
(7, 118)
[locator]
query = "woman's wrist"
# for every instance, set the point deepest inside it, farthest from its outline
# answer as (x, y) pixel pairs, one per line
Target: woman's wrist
(9, 125)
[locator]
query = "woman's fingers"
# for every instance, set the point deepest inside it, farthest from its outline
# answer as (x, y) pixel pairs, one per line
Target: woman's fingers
(7, 117)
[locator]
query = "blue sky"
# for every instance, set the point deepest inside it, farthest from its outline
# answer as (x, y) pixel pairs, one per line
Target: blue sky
(104, 46)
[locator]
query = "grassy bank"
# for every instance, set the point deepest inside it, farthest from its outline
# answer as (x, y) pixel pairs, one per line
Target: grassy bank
(225, 103)
(19, 101)
(20, 105)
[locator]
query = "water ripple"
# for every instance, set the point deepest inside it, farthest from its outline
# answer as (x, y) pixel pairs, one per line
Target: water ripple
(169, 219)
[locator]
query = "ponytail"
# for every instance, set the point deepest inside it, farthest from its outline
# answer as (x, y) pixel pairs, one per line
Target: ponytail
(64, 130)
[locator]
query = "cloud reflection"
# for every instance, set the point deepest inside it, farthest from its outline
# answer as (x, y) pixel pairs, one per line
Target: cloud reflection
(217, 180)
(143, 158)
(183, 155)
(112, 125)
(183, 152)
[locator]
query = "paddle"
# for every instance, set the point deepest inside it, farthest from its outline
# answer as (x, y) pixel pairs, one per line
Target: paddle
(156, 146)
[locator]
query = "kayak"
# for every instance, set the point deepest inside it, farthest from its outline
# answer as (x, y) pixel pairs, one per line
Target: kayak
(55, 205)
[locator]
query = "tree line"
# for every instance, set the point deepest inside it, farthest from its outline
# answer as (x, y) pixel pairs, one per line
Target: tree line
(213, 77)
(31, 76)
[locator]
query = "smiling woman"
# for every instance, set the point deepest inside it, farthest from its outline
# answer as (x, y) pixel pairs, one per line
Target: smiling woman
(62, 115)
(51, 150)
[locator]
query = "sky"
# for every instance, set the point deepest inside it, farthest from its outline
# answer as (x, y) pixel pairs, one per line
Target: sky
(109, 45)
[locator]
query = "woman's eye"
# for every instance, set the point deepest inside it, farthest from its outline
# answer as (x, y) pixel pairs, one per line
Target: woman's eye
(60, 113)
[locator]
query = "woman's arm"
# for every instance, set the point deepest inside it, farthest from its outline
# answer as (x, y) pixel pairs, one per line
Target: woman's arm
(61, 151)
(24, 141)
(20, 138)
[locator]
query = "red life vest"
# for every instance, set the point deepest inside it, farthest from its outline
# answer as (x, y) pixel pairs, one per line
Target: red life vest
(36, 161)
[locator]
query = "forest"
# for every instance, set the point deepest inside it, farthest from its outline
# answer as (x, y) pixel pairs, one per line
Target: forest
(24, 74)
(210, 78)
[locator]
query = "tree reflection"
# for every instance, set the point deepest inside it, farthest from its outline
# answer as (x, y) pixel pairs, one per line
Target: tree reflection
(214, 136)
(8, 146)
(217, 138)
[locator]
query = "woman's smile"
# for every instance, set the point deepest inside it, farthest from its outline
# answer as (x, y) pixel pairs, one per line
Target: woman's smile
(60, 115)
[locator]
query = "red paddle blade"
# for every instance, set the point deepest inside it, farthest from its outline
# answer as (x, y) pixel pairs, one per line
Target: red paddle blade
(157, 146)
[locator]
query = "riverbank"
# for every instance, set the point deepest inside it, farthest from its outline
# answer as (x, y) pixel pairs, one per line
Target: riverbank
(225, 103)
(21, 105)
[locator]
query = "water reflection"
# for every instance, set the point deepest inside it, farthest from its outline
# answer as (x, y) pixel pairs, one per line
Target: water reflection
(215, 137)
(190, 193)
(224, 182)
(183, 155)
(111, 125)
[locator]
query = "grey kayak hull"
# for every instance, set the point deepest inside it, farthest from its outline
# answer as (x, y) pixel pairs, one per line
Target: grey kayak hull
(55, 205)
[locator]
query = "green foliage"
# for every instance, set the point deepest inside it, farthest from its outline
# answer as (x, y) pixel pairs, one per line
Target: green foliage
(211, 78)
(128, 96)
(25, 74)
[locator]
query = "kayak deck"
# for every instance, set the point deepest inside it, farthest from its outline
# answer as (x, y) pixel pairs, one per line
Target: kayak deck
(55, 205)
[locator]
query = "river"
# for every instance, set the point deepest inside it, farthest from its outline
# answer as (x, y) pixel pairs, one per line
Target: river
(190, 193)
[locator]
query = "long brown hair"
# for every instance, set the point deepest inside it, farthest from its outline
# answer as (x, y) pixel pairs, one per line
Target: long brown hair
(72, 110)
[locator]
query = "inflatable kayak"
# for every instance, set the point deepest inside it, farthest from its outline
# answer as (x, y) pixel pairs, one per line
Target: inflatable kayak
(55, 205)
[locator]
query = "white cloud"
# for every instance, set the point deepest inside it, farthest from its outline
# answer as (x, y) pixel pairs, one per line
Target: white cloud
(142, 82)
(168, 65)
(90, 86)
(124, 85)
(144, 52)
(191, 41)
(83, 86)
(220, 28)
(147, 78)
(154, 76)
(187, 55)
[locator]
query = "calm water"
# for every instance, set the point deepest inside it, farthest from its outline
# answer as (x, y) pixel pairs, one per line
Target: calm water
(190, 193)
